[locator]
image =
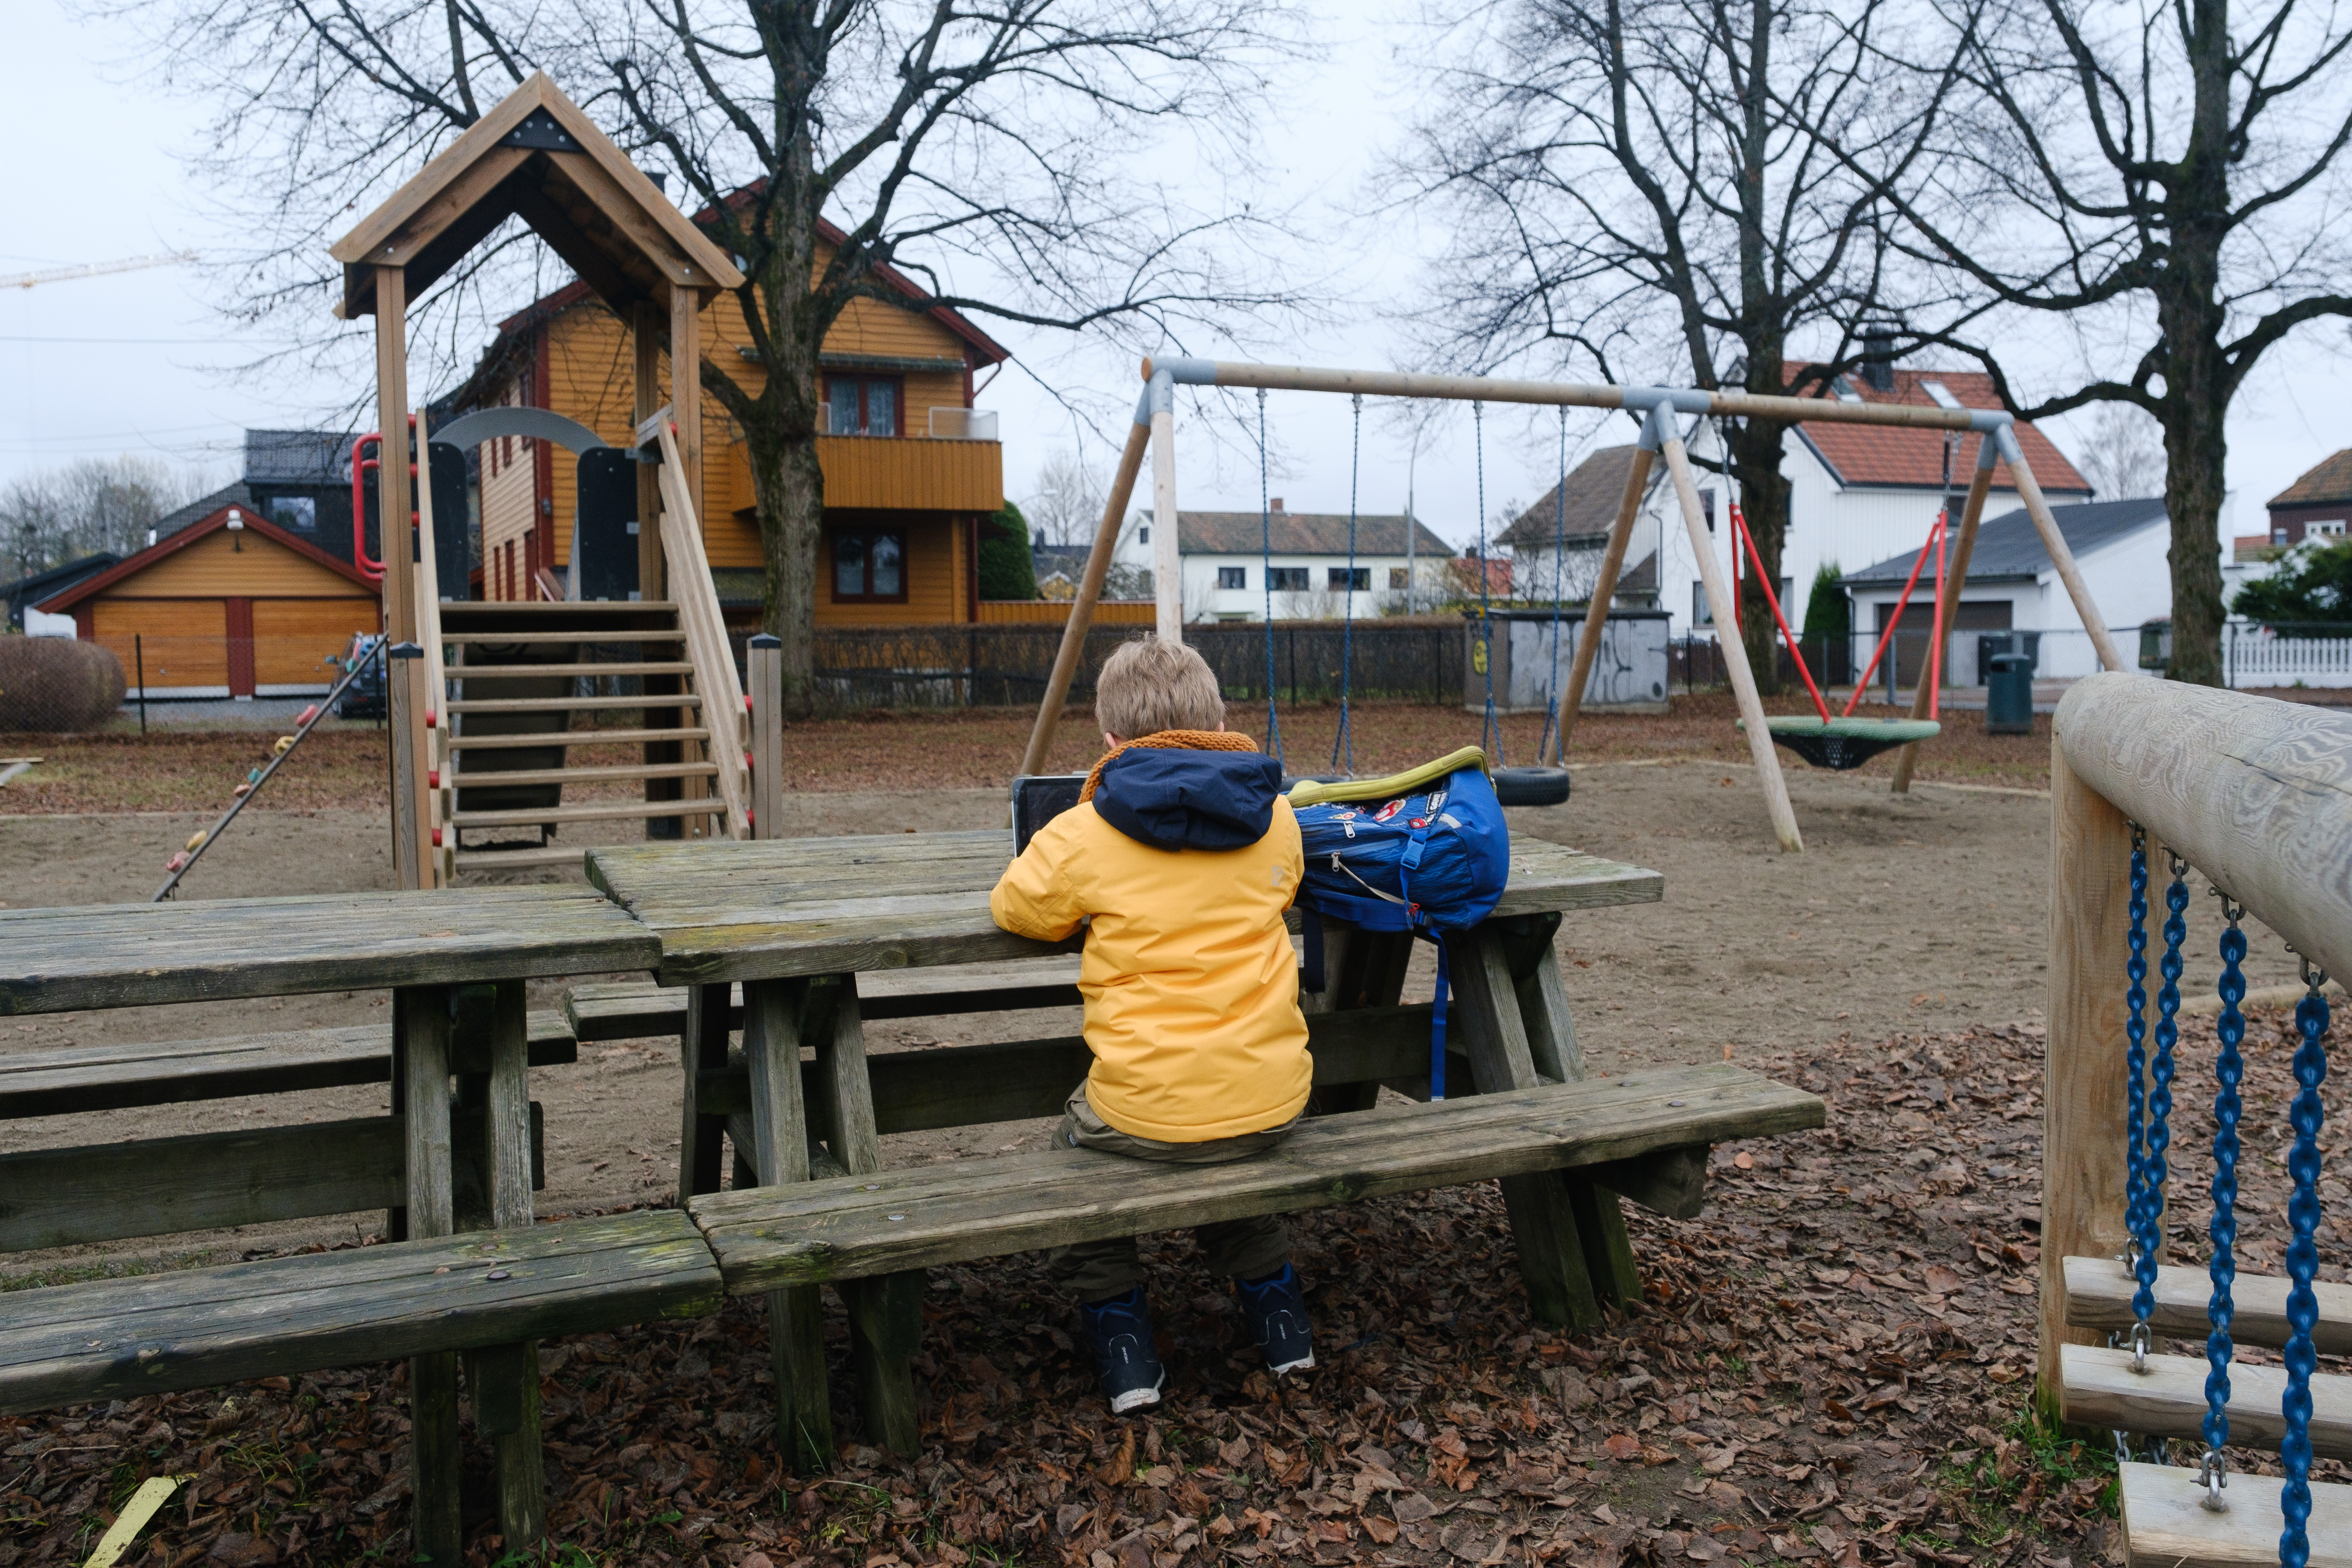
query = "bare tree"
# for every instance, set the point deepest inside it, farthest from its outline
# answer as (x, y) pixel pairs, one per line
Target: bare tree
(99, 503)
(1642, 186)
(1067, 504)
(2178, 153)
(2125, 456)
(1002, 153)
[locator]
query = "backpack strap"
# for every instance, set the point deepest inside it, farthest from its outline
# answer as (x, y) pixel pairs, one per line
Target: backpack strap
(1437, 1027)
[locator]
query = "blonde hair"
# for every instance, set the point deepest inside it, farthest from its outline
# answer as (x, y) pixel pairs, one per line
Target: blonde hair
(1148, 686)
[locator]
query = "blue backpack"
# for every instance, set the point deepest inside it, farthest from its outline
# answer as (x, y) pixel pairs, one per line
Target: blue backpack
(1425, 851)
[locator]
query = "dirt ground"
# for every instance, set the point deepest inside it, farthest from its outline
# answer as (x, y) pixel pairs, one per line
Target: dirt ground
(1829, 1367)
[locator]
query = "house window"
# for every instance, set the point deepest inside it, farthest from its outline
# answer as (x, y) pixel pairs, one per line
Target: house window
(870, 565)
(1702, 612)
(298, 512)
(2324, 527)
(1286, 579)
(1233, 576)
(861, 405)
(1143, 534)
(1358, 578)
(1397, 578)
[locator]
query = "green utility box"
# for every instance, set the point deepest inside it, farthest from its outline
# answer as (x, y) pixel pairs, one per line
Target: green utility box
(2009, 695)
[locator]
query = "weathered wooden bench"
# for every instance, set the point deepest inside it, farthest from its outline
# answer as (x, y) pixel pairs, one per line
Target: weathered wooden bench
(803, 925)
(635, 1011)
(70, 1196)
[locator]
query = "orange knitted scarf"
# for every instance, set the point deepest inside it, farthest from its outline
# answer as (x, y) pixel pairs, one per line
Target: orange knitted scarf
(1170, 740)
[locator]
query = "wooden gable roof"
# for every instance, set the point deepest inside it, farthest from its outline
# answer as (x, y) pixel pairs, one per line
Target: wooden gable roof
(172, 544)
(536, 156)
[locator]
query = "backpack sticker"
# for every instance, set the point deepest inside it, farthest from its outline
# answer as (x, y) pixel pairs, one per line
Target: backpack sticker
(1388, 811)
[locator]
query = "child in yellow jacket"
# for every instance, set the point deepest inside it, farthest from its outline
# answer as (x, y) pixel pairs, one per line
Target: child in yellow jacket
(1179, 857)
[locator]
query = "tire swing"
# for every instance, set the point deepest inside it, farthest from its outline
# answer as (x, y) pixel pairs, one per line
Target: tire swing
(1522, 785)
(1846, 742)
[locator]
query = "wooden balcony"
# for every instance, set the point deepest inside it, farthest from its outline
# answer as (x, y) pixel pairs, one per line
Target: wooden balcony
(911, 473)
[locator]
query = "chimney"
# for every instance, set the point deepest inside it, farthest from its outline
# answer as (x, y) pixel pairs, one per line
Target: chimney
(1878, 357)
(1275, 504)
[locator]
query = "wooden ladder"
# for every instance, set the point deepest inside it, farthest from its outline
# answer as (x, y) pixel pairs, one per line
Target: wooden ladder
(2165, 1519)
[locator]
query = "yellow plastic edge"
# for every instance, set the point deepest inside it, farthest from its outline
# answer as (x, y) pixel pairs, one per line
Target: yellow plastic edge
(1308, 792)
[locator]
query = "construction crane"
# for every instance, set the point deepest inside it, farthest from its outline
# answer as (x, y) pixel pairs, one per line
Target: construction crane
(95, 269)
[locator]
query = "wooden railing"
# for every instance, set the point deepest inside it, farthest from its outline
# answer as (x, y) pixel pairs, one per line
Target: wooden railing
(704, 628)
(2256, 796)
(437, 838)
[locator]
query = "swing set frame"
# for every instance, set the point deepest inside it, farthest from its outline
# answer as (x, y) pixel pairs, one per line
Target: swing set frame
(1154, 432)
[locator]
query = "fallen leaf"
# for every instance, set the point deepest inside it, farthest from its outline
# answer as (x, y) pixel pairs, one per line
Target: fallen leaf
(1622, 1446)
(1384, 1530)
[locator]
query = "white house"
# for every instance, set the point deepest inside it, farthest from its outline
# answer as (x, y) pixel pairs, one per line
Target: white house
(1858, 493)
(2120, 547)
(1225, 558)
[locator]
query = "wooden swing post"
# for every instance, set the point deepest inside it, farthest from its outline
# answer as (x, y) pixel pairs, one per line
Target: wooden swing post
(1954, 579)
(1604, 586)
(1167, 561)
(1735, 652)
(1072, 652)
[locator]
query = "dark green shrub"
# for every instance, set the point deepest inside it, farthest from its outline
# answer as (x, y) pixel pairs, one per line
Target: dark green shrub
(1007, 571)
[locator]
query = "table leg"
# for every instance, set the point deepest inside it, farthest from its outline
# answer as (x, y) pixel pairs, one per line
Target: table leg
(507, 1376)
(1551, 1039)
(1543, 1218)
(1360, 969)
(772, 1021)
(702, 1045)
(886, 1312)
(421, 1015)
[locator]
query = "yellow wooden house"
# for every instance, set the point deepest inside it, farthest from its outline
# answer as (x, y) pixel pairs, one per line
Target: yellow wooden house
(911, 468)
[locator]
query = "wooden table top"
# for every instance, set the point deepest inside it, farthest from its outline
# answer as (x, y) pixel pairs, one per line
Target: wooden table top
(776, 908)
(132, 955)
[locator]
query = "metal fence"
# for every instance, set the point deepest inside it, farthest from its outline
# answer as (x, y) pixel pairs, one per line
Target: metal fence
(1001, 666)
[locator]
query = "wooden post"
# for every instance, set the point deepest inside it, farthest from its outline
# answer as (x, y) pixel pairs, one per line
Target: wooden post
(506, 1377)
(424, 1018)
(1735, 652)
(1167, 561)
(1604, 589)
(645, 396)
(394, 493)
(1956, 577)
(685, 390)
(702, 1048)
(1072, 652)
(772, 1013)
(2084, 1083)
(2029, 490)
(764, 659)
(403, 693)
(1543, 1219)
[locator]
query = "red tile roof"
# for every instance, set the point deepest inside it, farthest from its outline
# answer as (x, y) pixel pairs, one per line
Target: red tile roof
(2330, 482)
(1911, 459)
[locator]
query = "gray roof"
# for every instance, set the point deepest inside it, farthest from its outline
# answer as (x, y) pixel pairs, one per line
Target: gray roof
(236, 494)
(1299, 533)
(1594, 488)
(298, 457)
(2009, 548)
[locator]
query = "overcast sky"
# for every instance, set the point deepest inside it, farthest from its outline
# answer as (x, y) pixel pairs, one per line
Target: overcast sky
(140, 362)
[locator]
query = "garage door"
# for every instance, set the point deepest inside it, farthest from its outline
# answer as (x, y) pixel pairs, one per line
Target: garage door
(183, 643)
(293, 639)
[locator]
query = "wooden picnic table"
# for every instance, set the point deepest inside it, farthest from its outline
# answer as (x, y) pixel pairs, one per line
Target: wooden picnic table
(795, 921)
(456, 962)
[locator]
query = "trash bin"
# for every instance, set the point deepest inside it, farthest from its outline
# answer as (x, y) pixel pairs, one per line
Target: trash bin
(2009, 695)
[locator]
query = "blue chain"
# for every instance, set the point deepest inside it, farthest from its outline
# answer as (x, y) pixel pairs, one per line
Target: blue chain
(2139, 1214)
(2303, 1263)
(2229, 1071)
(2159, 1095)
(1346, 739)
(1490, 735)
(1266, 566)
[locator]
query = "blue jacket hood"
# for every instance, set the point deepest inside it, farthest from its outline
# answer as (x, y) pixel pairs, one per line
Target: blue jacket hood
(1189, 800)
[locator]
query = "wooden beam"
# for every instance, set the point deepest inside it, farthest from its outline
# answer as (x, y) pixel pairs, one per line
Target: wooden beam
(1760, 749)
(2102, 1391)
(2083, 1081)
(2167, 1525)
(1604, 589)
(1167, 561)
(395, 497)
(2099, 1296)
(1072, 653)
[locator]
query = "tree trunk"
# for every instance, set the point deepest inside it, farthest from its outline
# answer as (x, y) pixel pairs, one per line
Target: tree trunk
(791, 488)
(2195, 449)
(1764, 494)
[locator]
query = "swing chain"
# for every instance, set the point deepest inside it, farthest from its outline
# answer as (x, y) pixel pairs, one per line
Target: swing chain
(2142, 1341)
(2229, 1072)
(2159, 1100)
(2306, 1115)
(2138, 1215)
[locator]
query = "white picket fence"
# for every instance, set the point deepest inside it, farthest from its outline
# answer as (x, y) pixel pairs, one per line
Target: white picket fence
(2253, 658)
